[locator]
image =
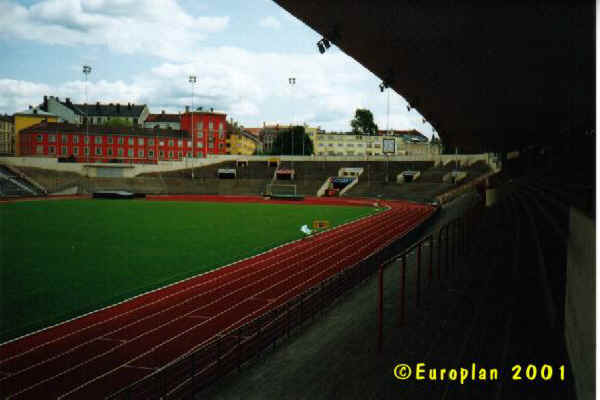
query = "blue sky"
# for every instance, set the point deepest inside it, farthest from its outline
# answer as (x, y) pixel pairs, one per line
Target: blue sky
(142, 51)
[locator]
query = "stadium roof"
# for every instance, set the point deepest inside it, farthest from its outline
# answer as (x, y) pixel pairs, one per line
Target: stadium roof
(490, 76)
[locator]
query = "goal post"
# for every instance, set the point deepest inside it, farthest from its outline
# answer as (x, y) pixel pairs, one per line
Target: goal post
(276, 189)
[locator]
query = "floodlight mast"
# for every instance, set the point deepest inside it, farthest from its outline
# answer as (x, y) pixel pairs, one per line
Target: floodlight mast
(192, 80)
(86, 71)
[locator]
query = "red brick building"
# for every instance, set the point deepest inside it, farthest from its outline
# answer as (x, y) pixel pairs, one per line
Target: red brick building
(128, 144)
(105, 144)
(209, 135)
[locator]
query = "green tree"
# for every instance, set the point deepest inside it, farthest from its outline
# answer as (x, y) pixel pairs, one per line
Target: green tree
(363, 124)
(296, 135)
(118, 123)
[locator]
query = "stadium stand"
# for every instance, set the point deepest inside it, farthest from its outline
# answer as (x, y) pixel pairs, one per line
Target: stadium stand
(252, 179)
(14, 184)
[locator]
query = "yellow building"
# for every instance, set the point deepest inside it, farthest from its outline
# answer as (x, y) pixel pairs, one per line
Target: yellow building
(27, 118)
(242, 143)
(7, 134)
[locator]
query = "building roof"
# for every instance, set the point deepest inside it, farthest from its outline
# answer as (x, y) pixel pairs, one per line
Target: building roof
(128, 110)
(411, 134)
(60, 128)
(163, 117)
(7, 118)
(35, 112)
(254, 131)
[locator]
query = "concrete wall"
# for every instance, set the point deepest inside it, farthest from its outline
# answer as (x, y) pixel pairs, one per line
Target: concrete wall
(132, 170)
(580, 302)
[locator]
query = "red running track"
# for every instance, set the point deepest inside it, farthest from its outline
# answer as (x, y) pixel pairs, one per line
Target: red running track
(99, 353)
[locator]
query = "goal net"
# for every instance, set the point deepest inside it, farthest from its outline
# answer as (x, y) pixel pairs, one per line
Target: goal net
(274, 189)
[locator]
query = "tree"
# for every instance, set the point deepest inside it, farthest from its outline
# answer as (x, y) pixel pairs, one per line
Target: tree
(118, 123)
(363, 124)
(301, 142)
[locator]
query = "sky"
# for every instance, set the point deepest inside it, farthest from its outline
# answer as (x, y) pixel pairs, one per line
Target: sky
(143, 51)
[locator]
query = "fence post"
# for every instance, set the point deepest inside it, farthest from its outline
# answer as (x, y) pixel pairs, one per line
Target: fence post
(430, 259)
(419, 274)
(440, 242)
(380, 311)
(402, 287)
(193, 379)
(447, 248)
(239, 348)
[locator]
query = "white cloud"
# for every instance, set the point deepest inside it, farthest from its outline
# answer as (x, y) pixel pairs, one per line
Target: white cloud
(157, 27)
(270, 22)
(251, 87)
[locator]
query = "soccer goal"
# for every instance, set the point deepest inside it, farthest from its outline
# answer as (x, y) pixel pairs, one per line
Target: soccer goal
(276, 189)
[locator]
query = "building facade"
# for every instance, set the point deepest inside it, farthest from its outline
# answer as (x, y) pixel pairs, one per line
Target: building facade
(242, 143)
(336, 144)
(104, 144)
(208, 131)
(63, 110)
(7, 134)
(27, 118)
(163, 120)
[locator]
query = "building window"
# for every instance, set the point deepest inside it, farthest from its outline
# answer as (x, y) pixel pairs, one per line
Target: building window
(141, 141)
(170, 154)
(170, 142)
(130, 153)
(120, 140)
(199, 144)
(109, 140)
(86, 140)
(63, 150)
(98, 140)
(189, 142)
(75, 139)
(200, 126)
(189, 154)
(150, 154)
(211, 146)
(162, 154)
(120, 152)
(98, 151)
(52, 138)
(130, 141)
(162, 143)
(179, 154)
(200, 135)
(109, 151)
(86, 151)
(150, 142)
(180, 143)
(141, 153)
(76, 151)
(210, 126)
(64, 139)
(39, 138)
(39, 149)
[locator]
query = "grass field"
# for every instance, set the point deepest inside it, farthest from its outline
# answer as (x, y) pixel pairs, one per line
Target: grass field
(60, 259)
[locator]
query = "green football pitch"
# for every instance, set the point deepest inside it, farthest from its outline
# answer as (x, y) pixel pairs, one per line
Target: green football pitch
(60, 259)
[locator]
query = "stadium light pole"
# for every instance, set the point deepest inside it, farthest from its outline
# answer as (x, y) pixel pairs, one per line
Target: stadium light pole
(292, 82)
(86, 71)
(192, 81)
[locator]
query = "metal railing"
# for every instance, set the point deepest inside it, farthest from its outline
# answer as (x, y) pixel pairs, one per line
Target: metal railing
(454, 239)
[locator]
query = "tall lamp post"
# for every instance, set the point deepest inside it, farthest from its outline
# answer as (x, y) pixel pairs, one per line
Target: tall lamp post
(292, 82)
(86, 71)
(192, 80)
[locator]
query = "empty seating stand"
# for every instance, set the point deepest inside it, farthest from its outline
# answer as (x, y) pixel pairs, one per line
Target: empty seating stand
(14, 184)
